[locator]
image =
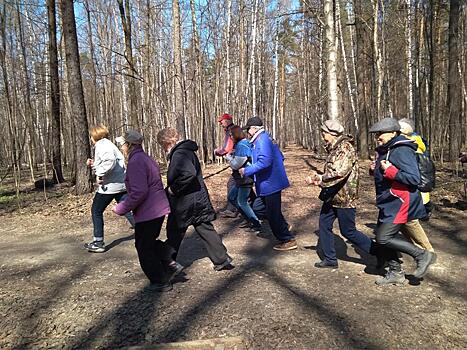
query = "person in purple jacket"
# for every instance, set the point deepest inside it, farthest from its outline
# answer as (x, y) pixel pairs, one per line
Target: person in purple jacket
(148, 202)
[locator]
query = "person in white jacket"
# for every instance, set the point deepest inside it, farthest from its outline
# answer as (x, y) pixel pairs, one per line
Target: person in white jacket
(108, 166)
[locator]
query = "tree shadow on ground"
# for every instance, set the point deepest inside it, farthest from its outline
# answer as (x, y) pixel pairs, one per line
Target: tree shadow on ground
(341, 252)
(452, 233)
(128, 324)
(118, 241)
(33, 314)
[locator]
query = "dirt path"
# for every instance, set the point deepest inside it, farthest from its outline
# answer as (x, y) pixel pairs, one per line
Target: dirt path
(54, 294)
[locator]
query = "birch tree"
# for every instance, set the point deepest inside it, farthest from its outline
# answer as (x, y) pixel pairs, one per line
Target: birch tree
(331, 42)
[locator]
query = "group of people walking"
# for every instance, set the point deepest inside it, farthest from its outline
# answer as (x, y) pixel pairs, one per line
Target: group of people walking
(255, 193)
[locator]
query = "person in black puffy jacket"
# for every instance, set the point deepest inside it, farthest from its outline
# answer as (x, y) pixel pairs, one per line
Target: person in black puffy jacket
(189, 198)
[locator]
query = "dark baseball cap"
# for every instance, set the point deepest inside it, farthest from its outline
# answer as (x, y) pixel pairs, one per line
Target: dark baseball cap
(253, 121)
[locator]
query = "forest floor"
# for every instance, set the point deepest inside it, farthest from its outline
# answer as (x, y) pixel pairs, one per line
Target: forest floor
(54, 294)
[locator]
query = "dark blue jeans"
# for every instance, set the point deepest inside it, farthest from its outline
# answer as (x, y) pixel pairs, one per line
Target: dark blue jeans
(272, 205)
(99, 204)
(346, 219)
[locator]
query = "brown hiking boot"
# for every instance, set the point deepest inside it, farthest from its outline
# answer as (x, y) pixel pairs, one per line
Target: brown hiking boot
(284, 246)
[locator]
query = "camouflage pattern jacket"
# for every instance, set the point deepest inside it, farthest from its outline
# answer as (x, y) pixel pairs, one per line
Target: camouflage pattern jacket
(342, 165)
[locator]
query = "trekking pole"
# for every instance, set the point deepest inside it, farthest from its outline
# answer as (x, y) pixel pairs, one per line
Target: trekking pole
(216, 173)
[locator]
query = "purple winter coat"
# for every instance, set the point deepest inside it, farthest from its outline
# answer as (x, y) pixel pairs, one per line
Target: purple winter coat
(146, 196)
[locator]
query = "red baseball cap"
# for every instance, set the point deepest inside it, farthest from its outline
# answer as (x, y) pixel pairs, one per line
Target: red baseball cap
(224, 117)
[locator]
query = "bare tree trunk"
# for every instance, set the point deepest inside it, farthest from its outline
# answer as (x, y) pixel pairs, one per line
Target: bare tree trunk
(15, 162)
(94, 110)
(333, 96)
(227, 54)
(54, 93)
(453, 91)
(378, 59)
(179, 88)
(276, 80)
(346, 70)
(75, 91)
(363, 82)
(410, 62)
(28, 110)
(125, 15)
(251, 68)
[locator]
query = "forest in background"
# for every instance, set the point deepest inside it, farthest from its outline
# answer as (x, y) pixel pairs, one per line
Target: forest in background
(149, 64)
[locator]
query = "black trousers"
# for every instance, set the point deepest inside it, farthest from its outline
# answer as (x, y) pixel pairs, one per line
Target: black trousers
(154, 255)
(217, 251)
(387, 236)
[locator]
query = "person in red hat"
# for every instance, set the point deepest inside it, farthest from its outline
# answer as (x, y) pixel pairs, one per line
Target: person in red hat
(225, 120)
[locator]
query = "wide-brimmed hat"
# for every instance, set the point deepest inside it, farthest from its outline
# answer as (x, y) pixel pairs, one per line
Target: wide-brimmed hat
(386, 125)
(332, 127)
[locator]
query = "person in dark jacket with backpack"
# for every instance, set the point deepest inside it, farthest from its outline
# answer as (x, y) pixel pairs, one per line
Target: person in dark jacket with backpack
(189, 200)
(397, 198)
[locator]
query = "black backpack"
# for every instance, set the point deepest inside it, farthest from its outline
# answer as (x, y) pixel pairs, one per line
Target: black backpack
(427, 170)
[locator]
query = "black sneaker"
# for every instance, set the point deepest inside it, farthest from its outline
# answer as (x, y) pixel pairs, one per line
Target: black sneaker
(245, 224)
(174, 269)
(255, 229)
(226, 265)
(424, 260)
(159, 287)
(326, 264)
(391, 277)
(95, 246)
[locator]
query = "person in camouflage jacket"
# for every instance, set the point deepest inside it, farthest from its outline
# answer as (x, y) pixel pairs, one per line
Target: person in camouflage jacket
(339, 191)
(341, 170)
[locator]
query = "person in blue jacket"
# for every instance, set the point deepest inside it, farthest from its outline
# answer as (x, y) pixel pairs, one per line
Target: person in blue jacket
(239, 194)
(270, 177)
(397, 198)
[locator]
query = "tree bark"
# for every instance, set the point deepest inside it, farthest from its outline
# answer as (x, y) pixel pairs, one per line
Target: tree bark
(54, 94)
(363, 83)
(333, 96)
(179, 89)
(453, 88)
(75, 91)
(125, 15)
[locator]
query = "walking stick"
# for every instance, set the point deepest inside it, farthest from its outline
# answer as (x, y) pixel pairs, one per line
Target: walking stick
(216, 173)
